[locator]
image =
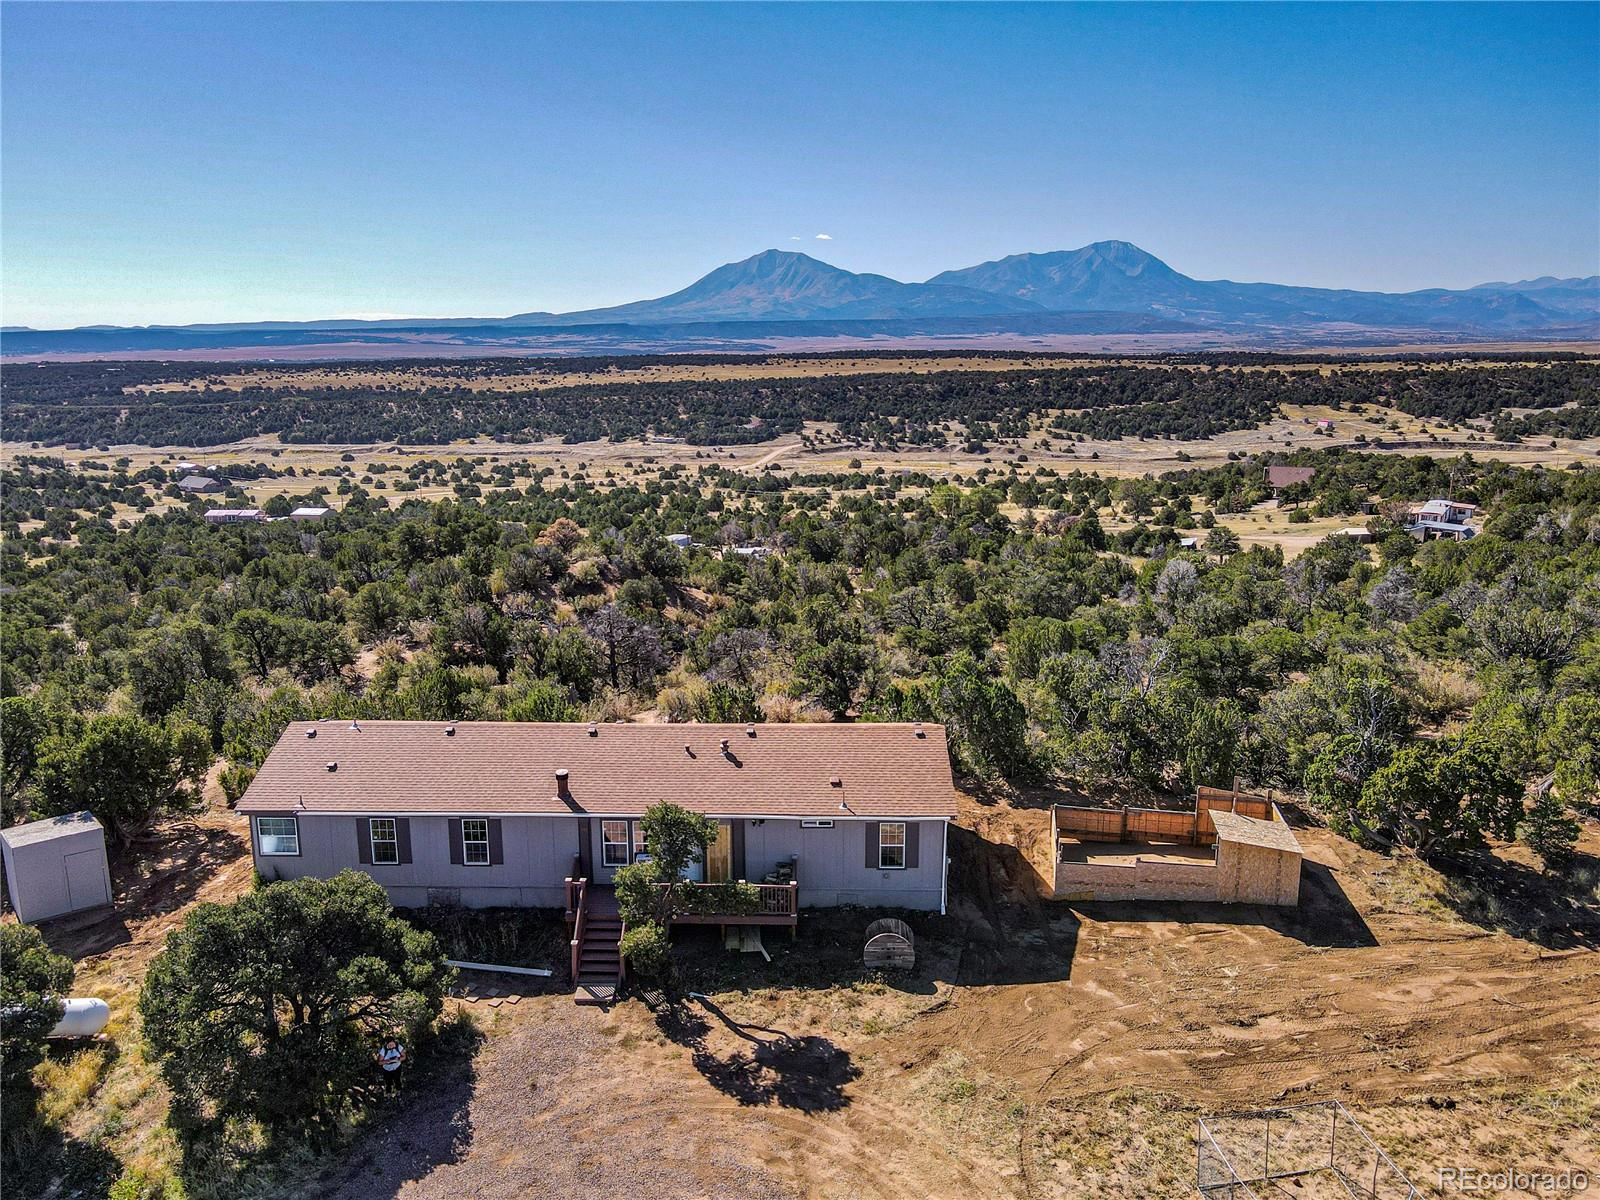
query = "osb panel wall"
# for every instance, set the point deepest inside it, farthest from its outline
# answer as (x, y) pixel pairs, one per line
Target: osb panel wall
(1257, 875)
(1242, 875)
(1139, 880)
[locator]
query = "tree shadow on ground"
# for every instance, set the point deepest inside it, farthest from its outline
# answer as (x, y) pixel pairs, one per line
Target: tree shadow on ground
(425, 1124)
(1555, 909)
(806, 1073)
(39, 1160)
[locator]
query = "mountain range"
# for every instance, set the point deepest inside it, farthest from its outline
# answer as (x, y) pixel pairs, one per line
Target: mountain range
(1107, 287)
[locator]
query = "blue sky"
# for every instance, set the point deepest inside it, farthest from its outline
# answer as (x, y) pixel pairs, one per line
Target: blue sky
(191, 162)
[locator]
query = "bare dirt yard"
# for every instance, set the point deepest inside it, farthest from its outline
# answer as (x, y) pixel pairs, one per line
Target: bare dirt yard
(1040, 1049)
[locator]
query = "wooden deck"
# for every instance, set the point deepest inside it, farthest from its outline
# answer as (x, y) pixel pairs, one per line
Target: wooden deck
(598, 970)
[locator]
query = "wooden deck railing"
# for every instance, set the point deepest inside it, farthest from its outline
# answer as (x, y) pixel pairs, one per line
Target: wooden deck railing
(577, 912)
(779, 899)
(776, 903)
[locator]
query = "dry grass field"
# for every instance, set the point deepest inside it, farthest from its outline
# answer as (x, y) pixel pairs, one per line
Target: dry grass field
(820, 451)
(799, 366)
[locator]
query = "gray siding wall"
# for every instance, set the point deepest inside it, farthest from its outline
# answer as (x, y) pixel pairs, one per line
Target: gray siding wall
(537, 851)
(538, 855)
(833, 868)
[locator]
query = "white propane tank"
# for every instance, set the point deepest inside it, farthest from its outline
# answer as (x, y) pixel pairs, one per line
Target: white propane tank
(81, 1016)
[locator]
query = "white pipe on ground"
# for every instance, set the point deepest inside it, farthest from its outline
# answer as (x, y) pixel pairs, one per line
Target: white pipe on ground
(476, 966)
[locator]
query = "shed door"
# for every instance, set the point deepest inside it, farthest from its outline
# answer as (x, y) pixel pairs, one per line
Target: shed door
(86, 879)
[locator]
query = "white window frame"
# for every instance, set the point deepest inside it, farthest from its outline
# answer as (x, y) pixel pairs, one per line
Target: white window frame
(392, 841)
(469, 826)
(607, 843)
(277, 838)
(884, 845)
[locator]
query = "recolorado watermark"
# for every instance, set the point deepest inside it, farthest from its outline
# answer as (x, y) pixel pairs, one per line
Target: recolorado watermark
(1566, 1181)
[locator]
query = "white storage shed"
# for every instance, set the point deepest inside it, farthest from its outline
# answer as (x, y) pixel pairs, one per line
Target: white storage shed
(55, 866)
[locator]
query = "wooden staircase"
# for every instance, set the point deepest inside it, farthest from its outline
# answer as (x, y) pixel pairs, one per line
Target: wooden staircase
(596, 958)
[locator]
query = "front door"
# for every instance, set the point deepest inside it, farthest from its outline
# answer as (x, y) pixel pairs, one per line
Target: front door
(719, 855)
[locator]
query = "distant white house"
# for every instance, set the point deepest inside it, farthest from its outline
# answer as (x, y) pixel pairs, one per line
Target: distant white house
(187, 467)
(310, 513)
(234, 516)
(681, 540)
(1443, 519)
(750, 551)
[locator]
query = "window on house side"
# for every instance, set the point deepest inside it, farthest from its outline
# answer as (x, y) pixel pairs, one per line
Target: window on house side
(385, 841)
(475, 843)
(278, 835)
(892, 845)
(614, 843)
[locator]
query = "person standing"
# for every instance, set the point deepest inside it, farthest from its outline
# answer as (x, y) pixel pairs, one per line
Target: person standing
(390, 1058)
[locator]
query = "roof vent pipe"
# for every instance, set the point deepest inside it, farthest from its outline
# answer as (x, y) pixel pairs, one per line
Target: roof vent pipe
(725, 746)
(750, 730)
(594, 730)
(311, 733)
(450, 730)
(917, 728)
(333, 766)
(561, 782)
(355, 726)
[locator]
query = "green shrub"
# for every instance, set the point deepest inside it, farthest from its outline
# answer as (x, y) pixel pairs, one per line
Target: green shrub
(733, 899)
(647, 951)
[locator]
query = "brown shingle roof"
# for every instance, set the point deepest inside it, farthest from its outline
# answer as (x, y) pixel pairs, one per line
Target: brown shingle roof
(509, 767)
(1280, 476)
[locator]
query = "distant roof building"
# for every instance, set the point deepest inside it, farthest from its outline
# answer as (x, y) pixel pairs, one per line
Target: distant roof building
(1282, 477)
(202, 483)
(234, 516)
(1356, 533)
(187, 466)
(1443, 519)
(309, 513)
(681, 540)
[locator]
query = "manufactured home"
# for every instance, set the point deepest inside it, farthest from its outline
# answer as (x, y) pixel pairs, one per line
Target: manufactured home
(234, 516)
(488, 813)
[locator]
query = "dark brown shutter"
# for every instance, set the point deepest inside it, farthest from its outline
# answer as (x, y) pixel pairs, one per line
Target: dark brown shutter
(736, 852)
(585, 848)
(911, 843)
(497, 849)
(402, 835)
(455, 841)
(363, 841)
(872, 845)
